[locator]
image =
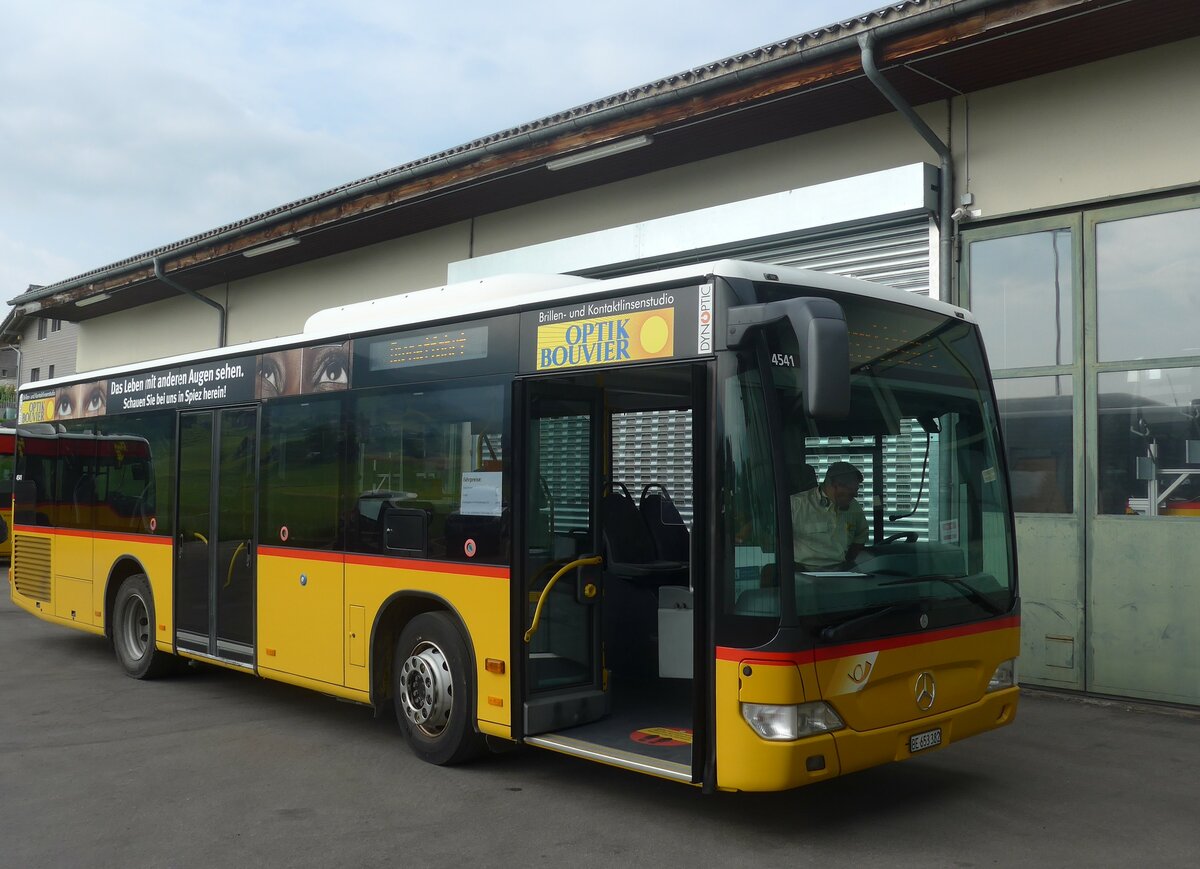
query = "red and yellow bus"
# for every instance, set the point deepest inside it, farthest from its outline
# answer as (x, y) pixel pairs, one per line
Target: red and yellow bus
(7, 463)
(557, 512)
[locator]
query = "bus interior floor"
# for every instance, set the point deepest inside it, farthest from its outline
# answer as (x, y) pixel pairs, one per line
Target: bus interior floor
(651, 718)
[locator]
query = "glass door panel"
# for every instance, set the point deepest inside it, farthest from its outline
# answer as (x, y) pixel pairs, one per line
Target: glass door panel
(214, 574)
(563, 666)
(1024, 283)
(193, 555)
(234, 532)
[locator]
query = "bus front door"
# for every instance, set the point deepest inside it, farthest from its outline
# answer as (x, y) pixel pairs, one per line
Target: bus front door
(214, 556)
(563, 675)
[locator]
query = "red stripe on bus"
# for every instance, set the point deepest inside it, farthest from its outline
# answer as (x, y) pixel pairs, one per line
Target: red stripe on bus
(306, 554)
(434, 566)
(810, 656)
(454, 567)
(159, 539)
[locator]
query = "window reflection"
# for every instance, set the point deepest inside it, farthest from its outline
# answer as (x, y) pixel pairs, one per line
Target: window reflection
(1035, 413)
(1022, 289)
(749, 512)
(1147, 271)
(429, 469)
(1150, 442)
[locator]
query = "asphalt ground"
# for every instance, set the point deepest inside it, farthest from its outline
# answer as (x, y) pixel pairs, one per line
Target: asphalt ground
(216, 768)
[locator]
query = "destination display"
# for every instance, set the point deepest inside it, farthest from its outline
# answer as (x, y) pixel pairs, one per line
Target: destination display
(429, 348)
(444, 352)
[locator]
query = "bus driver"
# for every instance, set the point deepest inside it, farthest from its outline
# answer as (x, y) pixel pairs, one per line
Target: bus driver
(828, 525)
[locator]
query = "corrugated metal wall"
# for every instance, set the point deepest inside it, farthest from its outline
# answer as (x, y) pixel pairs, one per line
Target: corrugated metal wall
(893, 252)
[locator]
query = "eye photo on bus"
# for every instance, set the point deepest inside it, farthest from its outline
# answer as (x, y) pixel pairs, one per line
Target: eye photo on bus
(82, 399)
(303, 370)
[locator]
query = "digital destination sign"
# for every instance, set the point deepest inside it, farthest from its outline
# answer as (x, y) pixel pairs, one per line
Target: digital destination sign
(429, 348)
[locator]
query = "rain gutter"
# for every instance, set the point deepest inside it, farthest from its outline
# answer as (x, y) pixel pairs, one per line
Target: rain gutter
(162, 276)
(946, 180)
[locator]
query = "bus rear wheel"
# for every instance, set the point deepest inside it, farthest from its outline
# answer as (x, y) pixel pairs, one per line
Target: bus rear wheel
(432, 690)
(133, 631)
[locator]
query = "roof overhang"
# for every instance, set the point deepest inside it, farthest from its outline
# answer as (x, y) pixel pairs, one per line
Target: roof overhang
(928, 49)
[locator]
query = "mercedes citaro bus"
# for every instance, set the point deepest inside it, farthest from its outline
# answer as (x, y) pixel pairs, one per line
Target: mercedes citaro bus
(556, 511)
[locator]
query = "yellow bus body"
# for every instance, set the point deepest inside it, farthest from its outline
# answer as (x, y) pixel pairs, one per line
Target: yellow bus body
(315, 629)
(871, 685)
(316, 612)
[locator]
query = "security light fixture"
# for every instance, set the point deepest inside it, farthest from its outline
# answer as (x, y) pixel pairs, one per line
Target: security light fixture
(600, 153)
(291, 241)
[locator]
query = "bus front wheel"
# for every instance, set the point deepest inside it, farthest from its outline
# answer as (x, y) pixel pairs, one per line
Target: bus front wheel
(133, 630)
(432, 690)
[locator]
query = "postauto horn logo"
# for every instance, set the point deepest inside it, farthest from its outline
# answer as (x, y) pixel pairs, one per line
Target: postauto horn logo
(608, 339)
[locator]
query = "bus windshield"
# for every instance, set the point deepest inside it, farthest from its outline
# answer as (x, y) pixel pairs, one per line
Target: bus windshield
(916, 532)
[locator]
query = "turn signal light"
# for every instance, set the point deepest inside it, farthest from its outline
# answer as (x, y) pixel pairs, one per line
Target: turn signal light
(787, 723)
(1005, 676)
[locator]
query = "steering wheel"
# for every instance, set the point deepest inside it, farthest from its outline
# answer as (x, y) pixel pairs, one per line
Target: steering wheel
(906, 536)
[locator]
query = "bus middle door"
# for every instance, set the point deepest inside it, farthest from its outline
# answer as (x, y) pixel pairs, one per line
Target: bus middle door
(560, 619)
(214, 574)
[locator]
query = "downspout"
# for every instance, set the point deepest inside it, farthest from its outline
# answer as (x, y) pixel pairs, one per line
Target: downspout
(161, 275)
(946, 180)
(17, 386)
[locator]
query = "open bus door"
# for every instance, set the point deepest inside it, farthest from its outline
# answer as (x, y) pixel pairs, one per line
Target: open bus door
(563, 666)
(608, 585)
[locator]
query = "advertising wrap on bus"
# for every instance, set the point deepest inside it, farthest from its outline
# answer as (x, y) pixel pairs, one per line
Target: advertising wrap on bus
(298, 371)
(670, 324)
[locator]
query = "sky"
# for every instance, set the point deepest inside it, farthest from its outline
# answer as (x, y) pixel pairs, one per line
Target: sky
(129, 124)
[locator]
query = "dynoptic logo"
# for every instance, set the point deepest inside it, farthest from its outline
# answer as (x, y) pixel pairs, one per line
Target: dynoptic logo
(925, 691)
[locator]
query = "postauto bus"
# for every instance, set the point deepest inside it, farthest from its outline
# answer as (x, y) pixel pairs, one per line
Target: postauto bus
(557, 512)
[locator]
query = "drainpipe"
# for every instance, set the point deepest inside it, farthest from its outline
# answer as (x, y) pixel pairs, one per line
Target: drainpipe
(17, 385)
(946, 181)
(161, 275)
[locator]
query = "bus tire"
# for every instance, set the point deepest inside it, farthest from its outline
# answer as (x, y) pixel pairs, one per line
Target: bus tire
(133, 631)
(432, 687)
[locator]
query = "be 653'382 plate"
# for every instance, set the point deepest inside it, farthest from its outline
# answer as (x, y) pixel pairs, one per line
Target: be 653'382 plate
(921, 741)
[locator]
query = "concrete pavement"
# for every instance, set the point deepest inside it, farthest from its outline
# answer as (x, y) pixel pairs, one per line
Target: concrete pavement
(216, 768)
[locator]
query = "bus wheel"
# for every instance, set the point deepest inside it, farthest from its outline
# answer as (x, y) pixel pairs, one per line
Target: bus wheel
(432, 690)
(133, 631)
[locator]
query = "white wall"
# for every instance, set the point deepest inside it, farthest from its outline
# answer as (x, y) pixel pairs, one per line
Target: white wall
(278, 303)
(166, 328)
(272, 304)
(1125, 125)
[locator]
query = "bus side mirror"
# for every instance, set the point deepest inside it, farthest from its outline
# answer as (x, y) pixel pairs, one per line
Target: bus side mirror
(824, 341)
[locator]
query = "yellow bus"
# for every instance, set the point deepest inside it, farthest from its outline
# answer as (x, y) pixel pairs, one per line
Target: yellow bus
(558, 512)
(7, 446)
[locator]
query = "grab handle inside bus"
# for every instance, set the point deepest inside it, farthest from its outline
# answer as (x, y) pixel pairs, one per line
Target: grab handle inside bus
(586, 561)
(823, 340)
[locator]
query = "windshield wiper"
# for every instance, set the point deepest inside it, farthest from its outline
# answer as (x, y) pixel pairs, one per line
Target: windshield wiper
(834, 629)
(958, 583)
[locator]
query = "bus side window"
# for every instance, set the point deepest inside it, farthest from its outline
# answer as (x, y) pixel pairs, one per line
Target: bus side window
(434, 451)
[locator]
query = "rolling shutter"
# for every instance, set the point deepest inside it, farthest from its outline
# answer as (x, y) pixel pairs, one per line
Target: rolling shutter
(895, 252)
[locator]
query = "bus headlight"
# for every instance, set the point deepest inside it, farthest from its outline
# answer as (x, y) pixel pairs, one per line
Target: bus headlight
(786, 723)
(1005, 676)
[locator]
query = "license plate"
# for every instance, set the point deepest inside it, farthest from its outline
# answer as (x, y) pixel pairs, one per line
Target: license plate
(921, 741)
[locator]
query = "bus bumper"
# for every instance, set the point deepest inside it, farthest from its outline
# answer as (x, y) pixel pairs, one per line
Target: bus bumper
(864, 749)
(745, 761)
